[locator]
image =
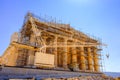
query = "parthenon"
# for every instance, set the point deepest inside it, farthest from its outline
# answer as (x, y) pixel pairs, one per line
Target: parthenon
(45, 44)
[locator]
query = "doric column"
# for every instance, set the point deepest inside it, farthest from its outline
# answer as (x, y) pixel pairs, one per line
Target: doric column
(55, 51)
(74, 53)
(90, 61)
(96, 61)
(74, 56)
(82, 59)
(65, 55)
(74, 59)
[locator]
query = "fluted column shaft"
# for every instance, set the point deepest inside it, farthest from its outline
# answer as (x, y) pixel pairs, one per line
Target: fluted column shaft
(96, 61)
(55, 51)
(82, 59)
(65, 55)
(90, 61)
(74, 55)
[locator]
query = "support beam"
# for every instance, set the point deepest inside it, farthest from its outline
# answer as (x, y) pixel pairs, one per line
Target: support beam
(29, 47)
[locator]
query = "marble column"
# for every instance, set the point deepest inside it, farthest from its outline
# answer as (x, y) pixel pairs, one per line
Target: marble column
(65, 66)
(55, 52)
(90, 61)
(96, 61)
(74, 55)
(82, 59)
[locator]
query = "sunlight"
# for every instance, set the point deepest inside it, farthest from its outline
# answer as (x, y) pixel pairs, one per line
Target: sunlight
(78, 1)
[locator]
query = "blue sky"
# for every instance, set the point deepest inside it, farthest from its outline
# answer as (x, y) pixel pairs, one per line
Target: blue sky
(100, 18)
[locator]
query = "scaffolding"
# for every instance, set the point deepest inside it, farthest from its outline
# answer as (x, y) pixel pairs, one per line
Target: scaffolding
(49, 36)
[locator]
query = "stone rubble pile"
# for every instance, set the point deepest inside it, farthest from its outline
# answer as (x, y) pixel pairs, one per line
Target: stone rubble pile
(82, 78)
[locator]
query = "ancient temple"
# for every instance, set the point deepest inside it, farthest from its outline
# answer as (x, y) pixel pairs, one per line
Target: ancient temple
(47, 44)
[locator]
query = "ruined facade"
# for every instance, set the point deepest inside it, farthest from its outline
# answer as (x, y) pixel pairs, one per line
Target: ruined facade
(52, 45)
